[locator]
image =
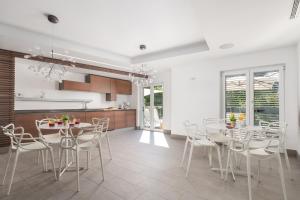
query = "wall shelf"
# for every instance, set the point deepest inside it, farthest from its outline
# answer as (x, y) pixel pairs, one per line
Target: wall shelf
(83, 101)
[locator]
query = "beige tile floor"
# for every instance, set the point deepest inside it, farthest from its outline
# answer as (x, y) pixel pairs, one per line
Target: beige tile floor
(142, 171)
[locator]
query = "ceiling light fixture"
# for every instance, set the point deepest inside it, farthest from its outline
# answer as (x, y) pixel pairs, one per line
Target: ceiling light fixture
(226, 46)
(148, 74)
(50, 70)
(295, 9)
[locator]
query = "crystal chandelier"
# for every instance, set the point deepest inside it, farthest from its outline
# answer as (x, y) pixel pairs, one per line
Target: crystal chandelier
(142, 75)
(49, 70)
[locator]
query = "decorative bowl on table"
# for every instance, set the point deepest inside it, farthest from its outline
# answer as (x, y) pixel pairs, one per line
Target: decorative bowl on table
(51, 124)
(77, 121)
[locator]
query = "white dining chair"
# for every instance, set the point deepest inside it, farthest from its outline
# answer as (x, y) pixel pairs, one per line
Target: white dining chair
(21, 143)
(51, 139)
(278, 128)
(104, 133)
(197, 138)
(241, 143)
(85, 140)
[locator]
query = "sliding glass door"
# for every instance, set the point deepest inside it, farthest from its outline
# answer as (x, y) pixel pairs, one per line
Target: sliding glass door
(258, 93)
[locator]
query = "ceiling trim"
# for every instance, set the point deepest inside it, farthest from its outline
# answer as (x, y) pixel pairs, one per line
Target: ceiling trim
(196, 47)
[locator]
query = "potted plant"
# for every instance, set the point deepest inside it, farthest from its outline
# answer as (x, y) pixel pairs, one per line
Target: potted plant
(65, 119)
(232, 120)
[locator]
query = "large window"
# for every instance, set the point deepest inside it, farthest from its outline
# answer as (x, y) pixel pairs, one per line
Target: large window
(257, 93)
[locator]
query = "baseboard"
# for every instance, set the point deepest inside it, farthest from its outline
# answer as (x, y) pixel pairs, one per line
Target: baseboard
(292, 153)
(178, 137)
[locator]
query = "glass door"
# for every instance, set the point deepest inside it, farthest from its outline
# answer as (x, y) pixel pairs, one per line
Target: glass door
(236, 95)
(146, 108)
(256, 93)
(265, 96)
(153, 107)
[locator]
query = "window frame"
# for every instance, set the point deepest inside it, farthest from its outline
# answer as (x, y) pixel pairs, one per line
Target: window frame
(249, 73)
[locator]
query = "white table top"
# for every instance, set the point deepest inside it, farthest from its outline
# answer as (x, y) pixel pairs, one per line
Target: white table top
(61, 127)
(223, 126)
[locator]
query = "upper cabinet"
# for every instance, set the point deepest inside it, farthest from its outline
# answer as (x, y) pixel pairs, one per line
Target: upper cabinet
(110, 86)
(123, 87)
(74, 85)
(99, 83)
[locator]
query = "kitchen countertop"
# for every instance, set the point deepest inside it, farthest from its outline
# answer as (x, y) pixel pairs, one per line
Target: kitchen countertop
(70, 110)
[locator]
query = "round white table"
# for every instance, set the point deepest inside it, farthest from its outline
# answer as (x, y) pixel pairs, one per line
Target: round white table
(219, 136)
(65, 130)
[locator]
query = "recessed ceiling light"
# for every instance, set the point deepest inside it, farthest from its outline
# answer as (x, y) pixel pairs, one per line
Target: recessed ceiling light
(226, 46)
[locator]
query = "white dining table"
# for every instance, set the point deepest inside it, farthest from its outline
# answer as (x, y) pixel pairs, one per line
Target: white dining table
(220, 136)
(65, 129)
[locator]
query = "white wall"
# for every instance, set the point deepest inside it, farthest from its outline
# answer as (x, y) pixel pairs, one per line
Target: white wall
(30, 85)
(195, 89)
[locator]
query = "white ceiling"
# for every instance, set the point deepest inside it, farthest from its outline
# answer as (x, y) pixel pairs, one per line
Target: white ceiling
(112, 30)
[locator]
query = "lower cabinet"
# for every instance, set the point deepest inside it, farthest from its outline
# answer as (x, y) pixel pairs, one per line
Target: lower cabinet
(118, 118)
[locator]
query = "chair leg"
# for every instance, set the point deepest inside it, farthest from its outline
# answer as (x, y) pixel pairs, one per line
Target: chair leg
(87, 159)
(189, 161)
(288, 165)
(60, 162)
(46, 160)
(43, 160)
(7, 165)
(227, 164)
(77, 169)
(108, 144)
(281, 176)
(184, 152)
(52, 160)
(13, 172)
(249, 176)
(220, 161)
(210, 157)
(101, 159)
(38, 157)
(258, 171)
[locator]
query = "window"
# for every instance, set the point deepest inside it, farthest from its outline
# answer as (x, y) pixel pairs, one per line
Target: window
(258, 93)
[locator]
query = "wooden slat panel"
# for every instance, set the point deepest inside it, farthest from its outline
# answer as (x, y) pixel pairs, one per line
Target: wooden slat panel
(7, 87)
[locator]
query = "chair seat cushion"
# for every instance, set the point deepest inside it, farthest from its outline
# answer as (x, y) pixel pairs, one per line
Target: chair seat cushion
(32, 146)
(52, 138)
(261, 152)
(203, 142)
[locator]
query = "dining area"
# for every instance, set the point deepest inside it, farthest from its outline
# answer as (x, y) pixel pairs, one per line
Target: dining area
(61, 149)
(240, 149)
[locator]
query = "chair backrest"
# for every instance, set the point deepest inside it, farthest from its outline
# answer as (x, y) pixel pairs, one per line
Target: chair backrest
(9, 130)
(102, 121)
(190, 129)
(38, 123)
(209, 121)
(278, 130)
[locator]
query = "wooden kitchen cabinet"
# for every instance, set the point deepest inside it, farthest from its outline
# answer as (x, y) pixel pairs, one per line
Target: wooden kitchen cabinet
(99, 83)
(117, 118)
(120, 119)
(130, 118)
(123, 87)
(112, 96)
(74, 85)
